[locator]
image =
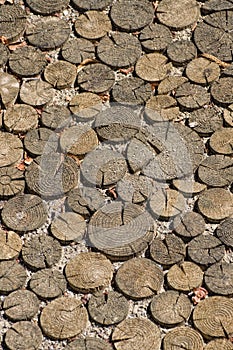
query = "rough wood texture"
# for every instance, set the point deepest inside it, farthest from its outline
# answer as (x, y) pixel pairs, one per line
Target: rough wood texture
(11, 181)
(213, 317)
(170, 83)
(60, 74)
(131, 90)
(63, 318)
(216, 171)
(11, 245)
(40, 141)
(85, 200)
(130, 16)
(13, 21)
(228, 115)
(76, 50)
(20, 118)
(225, 232)
(9, 88)
(120, 231)
(167, 251)
(205, 120)
(12, 276)
(85, 105)
(25, 212)
(78, 140)
(189, 225)
(161, 108)
(68, 227)
(206, 250)
(91, 5)
(189, 187)
(48, 33)
(134, 188)
(215, 204)
(46, 7)
(185, 276)
(23, 335)
(91, 343)
(96, 78)
(54, 180)
(108, 308)
(178, 15)
(183, 335)
(88, 272)
(48, 283)
(36, 92)
(55, 117)
(155, 37)
(119, 50)
(202, 71)
(11, 149)
(220, 344)
(136, 333)
(27, 61)
(92, 25)
(4, 55)
(219, 279)
(117, 123)
(215, 26)
(170, 308)
(41, 251)
(152, 67)
(181, 51)
(222, 141)
(103, 167)
(139, 278)
(221, 90)
(192, 96)
(21, 305)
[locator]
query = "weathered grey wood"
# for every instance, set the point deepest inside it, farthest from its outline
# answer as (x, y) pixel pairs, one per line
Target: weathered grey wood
(205, 120)
(155, 37)
(131, 90)
(139, 278)
(41, 251)
(222, 141)
(27, 61)
(170, 308)
(192, 96)
(205, 250)
(185, 276)
(183, 335)
(68, 227)
(21, 305)
(41, 140)
(11, 149)
(20, 118)
(4, 54)
(136, 333)
(36, 92)
(93, 25)
(12, 276)
(202, 71)
(221, 90)
(55, 116)
(216, 171)
(134, 188)
(85, 105)
(63, 318)
(168, 251)
(216, 5)
(90, 343)
(60, 74)
(181, 51)
(119, 50)
(108, 308)
(215, 26)
(25, 212)
(228, 115)
(13, 22)
(23, 335)
(48, 283)
(89, 272)
(96, 78)
(170, 84)
(76, 50)
(152, 67)
(120, 231)
(188, 186)
(215, 204)
(46, 7)
(178, 15)
(91, 5)
(11, 245)
(161, 108)
(48, 33)
(9, 88)
(225, 232)
(216, 308)
(219, 279)
(11, 181)
(189, 225)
